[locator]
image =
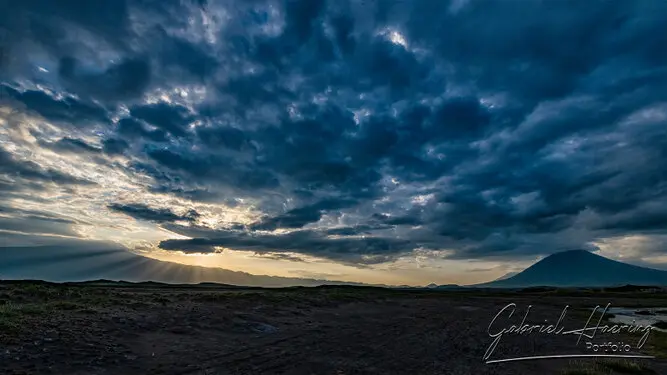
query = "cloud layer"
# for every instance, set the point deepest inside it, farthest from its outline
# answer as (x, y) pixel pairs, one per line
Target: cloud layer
(355, 132)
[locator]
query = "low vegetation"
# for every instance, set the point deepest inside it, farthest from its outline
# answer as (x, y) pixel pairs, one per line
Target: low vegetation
(657, 344)
(607, 367)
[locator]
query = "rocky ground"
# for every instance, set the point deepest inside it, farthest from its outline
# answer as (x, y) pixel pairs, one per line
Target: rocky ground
(139, 330)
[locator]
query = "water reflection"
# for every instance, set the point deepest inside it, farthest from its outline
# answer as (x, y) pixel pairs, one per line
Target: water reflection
(639, 316)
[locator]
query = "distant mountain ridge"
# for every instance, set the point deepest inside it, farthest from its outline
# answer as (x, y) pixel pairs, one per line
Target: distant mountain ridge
(112, 265)
(580, 268)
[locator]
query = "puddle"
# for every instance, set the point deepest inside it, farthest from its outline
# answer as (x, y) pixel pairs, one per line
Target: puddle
(638, 316)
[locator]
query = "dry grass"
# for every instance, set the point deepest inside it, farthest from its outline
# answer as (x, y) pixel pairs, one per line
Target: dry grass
(607, 367)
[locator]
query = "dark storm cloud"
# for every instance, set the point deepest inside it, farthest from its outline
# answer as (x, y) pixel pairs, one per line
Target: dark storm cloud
(639, 221)
(108, 19)
(125, 80)
(299, 217)
(130, 129)
(160, 215)
(411, 219)
(546, 53)
(228, 137)
(213, 168)
(71, 145)
(197, 195)
(67, 110)
(189, 58)
(113, 146)
(356, 230)
(77, 146)
(48, 25)
(170, 118)
(485, 128)
(280, 256)
(110, 146)
(368, 250)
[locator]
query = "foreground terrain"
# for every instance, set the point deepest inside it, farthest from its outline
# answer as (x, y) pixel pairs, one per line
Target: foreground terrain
(143, 329)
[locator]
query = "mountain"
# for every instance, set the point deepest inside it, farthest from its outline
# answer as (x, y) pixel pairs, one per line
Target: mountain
(449, 286)
(101, 262)
(580, 268)
(506, 276)
(431, 286)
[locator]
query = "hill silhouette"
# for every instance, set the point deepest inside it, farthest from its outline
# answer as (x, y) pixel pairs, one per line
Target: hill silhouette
(581, 268)
(107, 265)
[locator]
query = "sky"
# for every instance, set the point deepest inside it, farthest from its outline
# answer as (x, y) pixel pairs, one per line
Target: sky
(394, 142)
